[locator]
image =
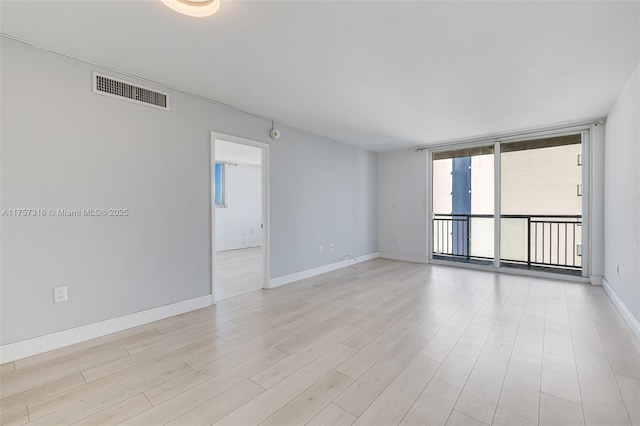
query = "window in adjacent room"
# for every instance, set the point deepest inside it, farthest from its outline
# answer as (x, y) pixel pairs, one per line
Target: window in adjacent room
(220, 185)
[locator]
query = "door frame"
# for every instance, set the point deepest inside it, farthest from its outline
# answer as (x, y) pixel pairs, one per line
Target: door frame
(264, 147)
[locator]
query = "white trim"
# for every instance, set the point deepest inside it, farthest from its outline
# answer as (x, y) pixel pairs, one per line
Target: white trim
(404, 257)
(586, 183)
(429, 166)
(212, 211)
(596, 209)
(38, 345)
(266, 218)
(497, 205)
(308, 273)
(631, 320)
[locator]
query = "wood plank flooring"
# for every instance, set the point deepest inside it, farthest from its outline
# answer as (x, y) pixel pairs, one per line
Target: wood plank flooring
(387, 343)
(238, 272)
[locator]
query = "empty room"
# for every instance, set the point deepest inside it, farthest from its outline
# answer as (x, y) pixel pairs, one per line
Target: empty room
(301, 212)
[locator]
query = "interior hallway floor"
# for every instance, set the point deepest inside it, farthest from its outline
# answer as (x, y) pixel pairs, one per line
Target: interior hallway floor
(385, 344)
(238, 272)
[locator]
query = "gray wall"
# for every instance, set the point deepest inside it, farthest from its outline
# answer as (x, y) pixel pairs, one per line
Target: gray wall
(402, 205)
(321, 192)
(65, 147)
(622, 197)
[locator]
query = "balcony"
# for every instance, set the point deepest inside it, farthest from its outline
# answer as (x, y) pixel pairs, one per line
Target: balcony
(534, 242)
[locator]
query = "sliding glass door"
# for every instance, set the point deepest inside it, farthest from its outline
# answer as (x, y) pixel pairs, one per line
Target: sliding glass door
(463, 205)
(536, 185)
(541, 204)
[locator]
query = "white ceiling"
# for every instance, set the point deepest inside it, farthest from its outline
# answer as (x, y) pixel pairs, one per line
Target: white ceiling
(377, 74)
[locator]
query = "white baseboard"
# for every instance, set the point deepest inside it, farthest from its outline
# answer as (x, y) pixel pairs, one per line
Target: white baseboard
(308, 273)
(633, 322)
(597, 279)
(38, 345)
(404, 257)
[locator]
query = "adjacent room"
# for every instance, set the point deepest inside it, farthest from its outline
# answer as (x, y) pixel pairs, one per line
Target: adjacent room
(238, 219)
(291, 212)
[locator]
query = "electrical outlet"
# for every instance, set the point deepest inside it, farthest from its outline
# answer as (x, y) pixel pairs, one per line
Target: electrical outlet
(395, 241)
(60, 294)
(333, 247)
(618, 269)
(321, 248)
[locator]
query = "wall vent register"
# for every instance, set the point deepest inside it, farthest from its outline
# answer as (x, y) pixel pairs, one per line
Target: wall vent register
(109, 86)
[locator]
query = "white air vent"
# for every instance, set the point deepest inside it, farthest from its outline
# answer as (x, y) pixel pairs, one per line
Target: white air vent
(109, 86)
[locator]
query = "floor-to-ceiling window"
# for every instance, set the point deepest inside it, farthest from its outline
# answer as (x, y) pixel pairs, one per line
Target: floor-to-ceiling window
(463, 205)
(536, 186)
(541, 203)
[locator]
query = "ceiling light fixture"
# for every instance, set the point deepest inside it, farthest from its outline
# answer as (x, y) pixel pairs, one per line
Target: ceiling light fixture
(197, 8)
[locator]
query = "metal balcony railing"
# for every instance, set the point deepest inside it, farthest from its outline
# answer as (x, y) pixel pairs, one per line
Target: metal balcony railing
(553, 241)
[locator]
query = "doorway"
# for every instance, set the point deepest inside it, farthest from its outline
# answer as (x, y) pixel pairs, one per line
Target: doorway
(239, 216)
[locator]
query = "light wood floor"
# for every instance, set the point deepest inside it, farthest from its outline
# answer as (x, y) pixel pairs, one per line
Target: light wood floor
(238, 272)
(389, 343)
